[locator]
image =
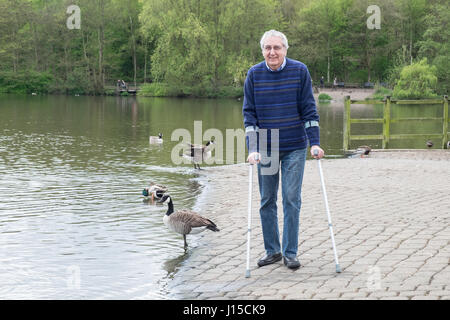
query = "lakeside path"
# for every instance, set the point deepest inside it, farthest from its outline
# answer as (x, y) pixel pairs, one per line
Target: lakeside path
(391, 219)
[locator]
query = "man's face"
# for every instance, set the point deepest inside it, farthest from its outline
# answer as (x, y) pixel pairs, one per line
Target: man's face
(274, 52)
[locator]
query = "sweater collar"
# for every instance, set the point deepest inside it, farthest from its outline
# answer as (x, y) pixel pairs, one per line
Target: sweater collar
(279, 69)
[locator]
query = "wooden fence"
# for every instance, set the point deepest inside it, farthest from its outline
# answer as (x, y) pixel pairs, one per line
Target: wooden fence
(385, 136)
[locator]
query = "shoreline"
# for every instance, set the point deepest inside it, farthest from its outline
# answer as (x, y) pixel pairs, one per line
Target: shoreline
(382, 224)
(337, 94)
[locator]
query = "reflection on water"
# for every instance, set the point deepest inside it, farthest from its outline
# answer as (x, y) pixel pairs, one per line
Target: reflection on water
(73, 223)
(172, 265)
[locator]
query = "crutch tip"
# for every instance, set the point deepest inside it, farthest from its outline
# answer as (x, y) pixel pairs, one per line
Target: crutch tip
(247, 273)
(338, 269)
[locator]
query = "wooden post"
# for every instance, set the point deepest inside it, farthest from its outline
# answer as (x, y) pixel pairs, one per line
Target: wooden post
(445, 124)
(346, 127)
(386, 121)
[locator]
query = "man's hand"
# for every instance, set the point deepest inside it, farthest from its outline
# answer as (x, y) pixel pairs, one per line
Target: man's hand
(320, 154)
(254, 158)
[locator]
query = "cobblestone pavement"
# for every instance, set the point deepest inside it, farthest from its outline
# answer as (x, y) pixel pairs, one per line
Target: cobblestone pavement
(391, 218)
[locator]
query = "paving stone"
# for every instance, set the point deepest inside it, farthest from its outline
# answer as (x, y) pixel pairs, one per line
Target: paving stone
(390, 241)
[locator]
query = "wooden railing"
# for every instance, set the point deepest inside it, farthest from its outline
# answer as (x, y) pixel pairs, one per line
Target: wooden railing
(386, 136)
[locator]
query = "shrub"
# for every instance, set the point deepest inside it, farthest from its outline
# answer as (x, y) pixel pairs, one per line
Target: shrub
(25, 82)
(157, 89)
(324, 97)
(380, 92)
(417, 80)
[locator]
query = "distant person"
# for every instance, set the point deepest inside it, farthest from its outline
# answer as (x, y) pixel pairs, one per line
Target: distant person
(334, 83)
(278, 97)
(321, 82)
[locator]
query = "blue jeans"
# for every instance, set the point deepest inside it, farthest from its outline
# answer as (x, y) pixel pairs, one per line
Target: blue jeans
(292, 168)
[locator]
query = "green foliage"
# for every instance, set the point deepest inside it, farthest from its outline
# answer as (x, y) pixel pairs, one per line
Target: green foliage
(380, 92)
(324, 97)
(416, 81)
(25, 82)
(205, 47)
(436, 43)
(158, 89)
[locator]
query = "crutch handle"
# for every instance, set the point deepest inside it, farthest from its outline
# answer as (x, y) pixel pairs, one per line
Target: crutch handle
(316, 153)
(256, 157)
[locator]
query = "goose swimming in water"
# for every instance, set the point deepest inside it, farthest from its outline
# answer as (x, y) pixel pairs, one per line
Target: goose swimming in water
(185, 222)
(156, 139)
(197, 153)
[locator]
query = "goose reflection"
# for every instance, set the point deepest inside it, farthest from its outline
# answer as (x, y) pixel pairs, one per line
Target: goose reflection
(172, 265)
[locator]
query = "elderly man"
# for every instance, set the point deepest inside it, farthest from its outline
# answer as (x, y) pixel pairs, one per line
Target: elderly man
(280, 114)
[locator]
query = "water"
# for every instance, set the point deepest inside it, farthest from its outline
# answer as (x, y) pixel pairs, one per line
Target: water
(73, 223)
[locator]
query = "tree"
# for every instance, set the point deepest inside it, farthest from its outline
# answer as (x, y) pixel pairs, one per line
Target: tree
(436, 43)
(417, 80)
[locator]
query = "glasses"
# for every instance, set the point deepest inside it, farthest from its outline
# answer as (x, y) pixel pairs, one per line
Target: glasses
(269, 48)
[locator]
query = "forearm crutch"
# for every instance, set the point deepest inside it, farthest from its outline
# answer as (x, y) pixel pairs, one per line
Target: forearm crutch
(249, 225)
(325, 198)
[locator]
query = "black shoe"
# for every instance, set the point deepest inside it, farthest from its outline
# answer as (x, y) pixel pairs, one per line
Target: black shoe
(269, 259)
(291, 263)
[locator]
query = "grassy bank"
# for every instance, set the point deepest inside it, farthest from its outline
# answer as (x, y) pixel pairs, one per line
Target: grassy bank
(165, 90)
(32, 82)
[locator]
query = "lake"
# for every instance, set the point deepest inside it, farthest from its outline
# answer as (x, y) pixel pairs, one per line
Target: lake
(73, 223)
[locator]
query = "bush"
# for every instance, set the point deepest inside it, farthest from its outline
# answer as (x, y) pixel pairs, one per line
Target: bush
(324, 96)
(25, 82)
(157, 89)
(416, 81)
(380, 92)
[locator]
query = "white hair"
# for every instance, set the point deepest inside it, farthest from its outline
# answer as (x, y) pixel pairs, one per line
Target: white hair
(274, 33)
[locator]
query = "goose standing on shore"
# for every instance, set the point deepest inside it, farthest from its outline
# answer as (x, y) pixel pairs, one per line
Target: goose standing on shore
(156, 139)
(185, 222)
(197, 153)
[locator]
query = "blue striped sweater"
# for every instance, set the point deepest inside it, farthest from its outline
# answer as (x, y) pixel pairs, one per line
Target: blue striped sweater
(282, 100)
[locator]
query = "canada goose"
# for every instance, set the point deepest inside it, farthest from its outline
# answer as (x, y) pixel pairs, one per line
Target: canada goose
(197, 153)
(156, 139)
(155, 191)
(185, 222)
(429, 143)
